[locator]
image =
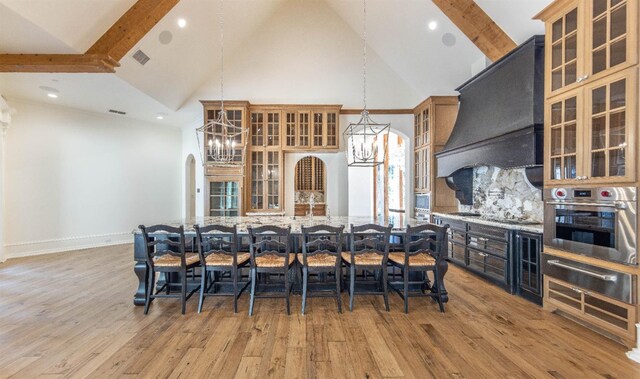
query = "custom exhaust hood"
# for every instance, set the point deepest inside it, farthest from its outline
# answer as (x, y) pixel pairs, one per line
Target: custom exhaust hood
(500, 120)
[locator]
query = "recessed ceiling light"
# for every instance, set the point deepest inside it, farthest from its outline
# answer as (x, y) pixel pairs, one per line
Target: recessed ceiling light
(159, 117)
(52, 95)
(432, 25)
(182, 22)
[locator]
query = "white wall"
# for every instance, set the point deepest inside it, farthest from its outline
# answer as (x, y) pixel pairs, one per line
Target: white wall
(76, 179)
(361, 201)
(190, 147)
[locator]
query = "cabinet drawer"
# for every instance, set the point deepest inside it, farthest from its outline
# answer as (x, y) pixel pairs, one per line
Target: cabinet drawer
(496, 247)
(492, 266)
(600, 311)
(489, 231)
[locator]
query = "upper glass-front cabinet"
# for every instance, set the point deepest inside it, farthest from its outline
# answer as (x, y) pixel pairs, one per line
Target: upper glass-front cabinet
(265, 128)
(564, 50)
(587, 40)
(591, 134)
(311, 130)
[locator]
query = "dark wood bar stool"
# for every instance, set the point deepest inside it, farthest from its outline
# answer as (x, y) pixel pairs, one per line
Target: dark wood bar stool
(271, 254)
(165, 247)
(218, 251)
(321, 253)
(369, 250)
(424, 247)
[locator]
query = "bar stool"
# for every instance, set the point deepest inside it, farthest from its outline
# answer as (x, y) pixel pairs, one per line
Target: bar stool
(270, 250)
(369, 251)
(321, 253)
(218, 251)
(424, 247)
(161, 242)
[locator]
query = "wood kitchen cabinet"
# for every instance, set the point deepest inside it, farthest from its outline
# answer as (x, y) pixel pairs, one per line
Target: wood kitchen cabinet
(311, 129)
(591, 132)
(591, 87)
(433, 121)
(587, 40)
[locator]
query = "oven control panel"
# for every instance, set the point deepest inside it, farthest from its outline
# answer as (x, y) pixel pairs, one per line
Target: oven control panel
(593, 194)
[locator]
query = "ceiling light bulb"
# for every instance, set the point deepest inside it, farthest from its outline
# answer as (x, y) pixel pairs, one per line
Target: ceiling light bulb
(159, 117)
(432, 25)
(52, 95)
(182, 22)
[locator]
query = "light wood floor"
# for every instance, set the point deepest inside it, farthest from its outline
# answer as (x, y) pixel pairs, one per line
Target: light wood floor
(71, 315)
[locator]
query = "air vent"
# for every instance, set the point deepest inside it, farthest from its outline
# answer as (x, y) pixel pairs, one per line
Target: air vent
(117, 112)
(141, 57)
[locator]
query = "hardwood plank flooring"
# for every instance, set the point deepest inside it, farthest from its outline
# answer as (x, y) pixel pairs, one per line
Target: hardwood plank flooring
(71, 315)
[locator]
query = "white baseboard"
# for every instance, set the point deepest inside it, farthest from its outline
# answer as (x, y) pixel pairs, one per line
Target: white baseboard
(25, 249)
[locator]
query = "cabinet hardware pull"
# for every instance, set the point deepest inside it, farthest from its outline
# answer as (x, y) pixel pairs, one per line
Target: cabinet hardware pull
(576, 290)
(606, 278)
(482, 254)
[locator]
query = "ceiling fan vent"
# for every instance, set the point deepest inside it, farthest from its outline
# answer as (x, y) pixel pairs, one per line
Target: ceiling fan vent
(141, 57)
(117, 112)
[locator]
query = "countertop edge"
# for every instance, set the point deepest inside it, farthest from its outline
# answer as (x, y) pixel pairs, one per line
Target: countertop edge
(538, 228)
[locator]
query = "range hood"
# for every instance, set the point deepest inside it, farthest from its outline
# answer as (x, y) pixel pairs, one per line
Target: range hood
(500, 119)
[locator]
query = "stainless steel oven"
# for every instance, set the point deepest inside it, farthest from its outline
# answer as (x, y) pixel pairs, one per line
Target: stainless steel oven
(596, 222)
(422, 210)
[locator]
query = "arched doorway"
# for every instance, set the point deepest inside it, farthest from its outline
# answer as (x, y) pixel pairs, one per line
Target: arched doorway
(310, 183)
(389, 194)
(190, 187)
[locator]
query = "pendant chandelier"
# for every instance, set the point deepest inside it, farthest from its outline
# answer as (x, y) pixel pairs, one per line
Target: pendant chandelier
(365, 137)
(222, 142)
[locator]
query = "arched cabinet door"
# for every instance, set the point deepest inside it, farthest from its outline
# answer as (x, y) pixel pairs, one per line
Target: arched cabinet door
(310, 183)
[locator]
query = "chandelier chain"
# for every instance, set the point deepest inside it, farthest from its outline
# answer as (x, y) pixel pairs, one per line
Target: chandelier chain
(221, 17)
(364, 54)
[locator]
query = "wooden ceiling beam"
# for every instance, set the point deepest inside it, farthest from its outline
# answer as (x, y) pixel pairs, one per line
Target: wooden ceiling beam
(58, 63)
(105, 54)
(131, 27)
(478, 27)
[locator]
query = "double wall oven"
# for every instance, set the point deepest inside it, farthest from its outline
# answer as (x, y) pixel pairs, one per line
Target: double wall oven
(596, 222)
(599, 223)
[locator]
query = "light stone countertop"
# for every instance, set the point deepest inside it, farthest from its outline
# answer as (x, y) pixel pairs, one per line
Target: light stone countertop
(531, 228)
(399, 222)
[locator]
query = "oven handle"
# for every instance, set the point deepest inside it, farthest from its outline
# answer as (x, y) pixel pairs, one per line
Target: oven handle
(606, 278)
(585, 204)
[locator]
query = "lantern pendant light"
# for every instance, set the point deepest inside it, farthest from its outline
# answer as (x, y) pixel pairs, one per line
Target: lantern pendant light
(364, 138)
(222, 142)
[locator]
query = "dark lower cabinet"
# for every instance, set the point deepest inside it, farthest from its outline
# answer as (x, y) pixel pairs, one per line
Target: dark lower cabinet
(508, 258)
(529, 249)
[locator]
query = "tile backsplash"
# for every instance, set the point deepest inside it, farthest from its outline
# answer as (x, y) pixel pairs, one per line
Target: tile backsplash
(505, 194)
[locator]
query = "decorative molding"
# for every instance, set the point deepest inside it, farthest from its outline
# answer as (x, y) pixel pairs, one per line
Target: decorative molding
(30, 248)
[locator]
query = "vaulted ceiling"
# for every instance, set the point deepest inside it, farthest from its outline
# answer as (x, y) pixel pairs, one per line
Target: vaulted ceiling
(276, 51)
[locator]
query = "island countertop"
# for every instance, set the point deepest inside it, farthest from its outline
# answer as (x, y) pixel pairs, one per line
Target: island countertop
(399, 222)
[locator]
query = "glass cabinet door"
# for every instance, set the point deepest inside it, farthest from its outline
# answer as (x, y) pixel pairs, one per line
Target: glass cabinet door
(611, 30)
(417, 131)
(257, 179)
(416, 169)
(303, 129)
(332, 129)
(562, 148)
(273, 129)
(224, 198)
(565, 52)
(257, 129)
(610, 125)
(426, 122)
(426, 184)
(273, 179)
(318, 128)
(290, 129)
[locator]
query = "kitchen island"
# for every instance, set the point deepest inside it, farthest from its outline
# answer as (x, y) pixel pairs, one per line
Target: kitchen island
(398, 222)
